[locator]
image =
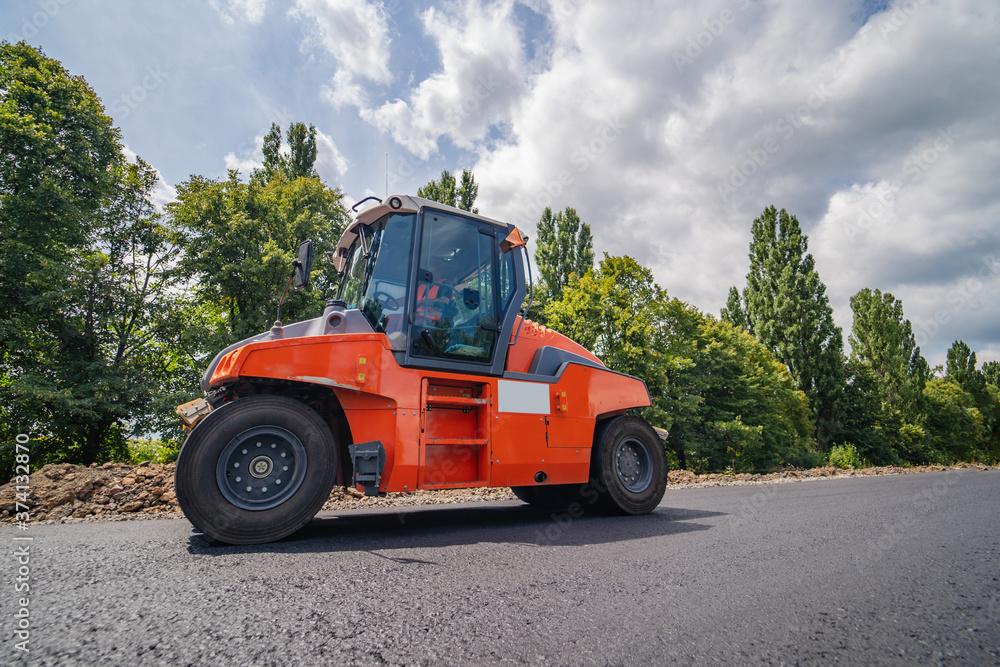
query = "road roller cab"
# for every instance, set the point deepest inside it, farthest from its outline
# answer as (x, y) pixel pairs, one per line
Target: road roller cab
(421, 373)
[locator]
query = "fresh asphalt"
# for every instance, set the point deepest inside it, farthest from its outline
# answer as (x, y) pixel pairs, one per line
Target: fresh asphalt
(874, 570)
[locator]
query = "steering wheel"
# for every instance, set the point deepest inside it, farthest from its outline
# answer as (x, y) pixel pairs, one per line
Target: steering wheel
(386, 299)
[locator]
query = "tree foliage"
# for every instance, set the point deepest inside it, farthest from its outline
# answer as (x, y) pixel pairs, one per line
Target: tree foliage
(445, 190)
(784, 305)
(883, 344)
(564, 247)
(239, 241)
(109, 308)
(991, 373)
(614, 311)
(886, 376)
(87, 310)
(750, 415)
(298, 160)
(954, 426)
(58, 153)
(107, 365)
(725, 400)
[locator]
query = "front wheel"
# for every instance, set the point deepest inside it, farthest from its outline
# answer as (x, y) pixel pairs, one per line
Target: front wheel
(629, 466)
(256, 470)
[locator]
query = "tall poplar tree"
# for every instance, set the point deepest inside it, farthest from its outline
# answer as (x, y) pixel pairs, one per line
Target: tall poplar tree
(886, 377)
(564, 247)
(882, 343)
(301, 156)
(961, 367)
(991, 373)
(784, 305)
(447, 190)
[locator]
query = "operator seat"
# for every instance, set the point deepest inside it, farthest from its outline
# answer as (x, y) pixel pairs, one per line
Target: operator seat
(435, 300)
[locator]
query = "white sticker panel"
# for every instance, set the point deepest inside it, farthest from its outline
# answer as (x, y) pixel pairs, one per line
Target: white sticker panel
(524, 397)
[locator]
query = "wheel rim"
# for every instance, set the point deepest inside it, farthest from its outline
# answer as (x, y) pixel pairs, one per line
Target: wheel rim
(634, 464)
(261, 468)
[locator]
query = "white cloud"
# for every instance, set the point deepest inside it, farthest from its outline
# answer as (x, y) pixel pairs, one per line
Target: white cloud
(248, 158)
(163, 193)
(345, 92)
(355, 32)
(482, 76)
(670, 127)
(789, 104)
(230, 10)
(330, 164)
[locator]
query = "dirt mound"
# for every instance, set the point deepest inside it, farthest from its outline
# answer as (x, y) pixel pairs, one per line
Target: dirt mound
(63, 490)
(114, 492)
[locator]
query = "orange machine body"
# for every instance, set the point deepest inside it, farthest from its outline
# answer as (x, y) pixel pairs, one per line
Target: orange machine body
(445, 430)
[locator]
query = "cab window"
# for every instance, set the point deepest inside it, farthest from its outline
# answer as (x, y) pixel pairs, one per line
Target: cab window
(455, 305)
(378, 272)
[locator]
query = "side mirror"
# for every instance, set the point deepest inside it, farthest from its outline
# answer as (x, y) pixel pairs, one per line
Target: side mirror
(304, 264)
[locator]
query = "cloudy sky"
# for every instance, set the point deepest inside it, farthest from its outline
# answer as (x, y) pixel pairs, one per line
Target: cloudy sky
(668, 125)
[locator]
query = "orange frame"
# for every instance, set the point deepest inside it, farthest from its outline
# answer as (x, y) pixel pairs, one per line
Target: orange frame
(453, 430)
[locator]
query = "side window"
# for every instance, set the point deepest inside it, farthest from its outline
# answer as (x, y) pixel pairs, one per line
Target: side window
(455, 311)
(506, 280)
(350, 292)
(387, 278)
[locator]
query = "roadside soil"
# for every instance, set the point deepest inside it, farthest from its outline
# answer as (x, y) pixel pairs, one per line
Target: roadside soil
(67, 493)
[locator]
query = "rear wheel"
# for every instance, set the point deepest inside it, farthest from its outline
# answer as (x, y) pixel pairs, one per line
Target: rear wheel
(256, 470)
(629, 465)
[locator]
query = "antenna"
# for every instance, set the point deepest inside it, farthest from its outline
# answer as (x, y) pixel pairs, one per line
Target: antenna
(386, 174)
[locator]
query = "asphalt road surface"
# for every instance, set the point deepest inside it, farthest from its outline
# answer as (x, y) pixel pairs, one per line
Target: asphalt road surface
(892, 570)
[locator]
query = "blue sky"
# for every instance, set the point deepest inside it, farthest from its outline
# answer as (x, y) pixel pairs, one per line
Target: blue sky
(668, 125)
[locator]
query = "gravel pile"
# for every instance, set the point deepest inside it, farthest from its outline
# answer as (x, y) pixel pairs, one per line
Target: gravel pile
(686, 479)
(67, 493)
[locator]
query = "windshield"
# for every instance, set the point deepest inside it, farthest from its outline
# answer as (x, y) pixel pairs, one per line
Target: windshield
(377, 275)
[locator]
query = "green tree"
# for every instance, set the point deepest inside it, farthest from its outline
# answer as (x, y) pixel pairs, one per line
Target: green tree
(564, 247)
(614, 312)
(110, 364)
(446, 191)
(954, 425)
(961, 367)
(751, 415)
(58, 153)
(720, 393)
(991, 373)
(866, 423)
(468, 191)
(301, 155)
(882, 343)
(239, 242)
(784, 305)
(81, 260)
(991, 413)
(885, 364)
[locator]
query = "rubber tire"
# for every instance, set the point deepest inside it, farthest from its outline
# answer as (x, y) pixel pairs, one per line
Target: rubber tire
(615, 497)
(195, 476)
